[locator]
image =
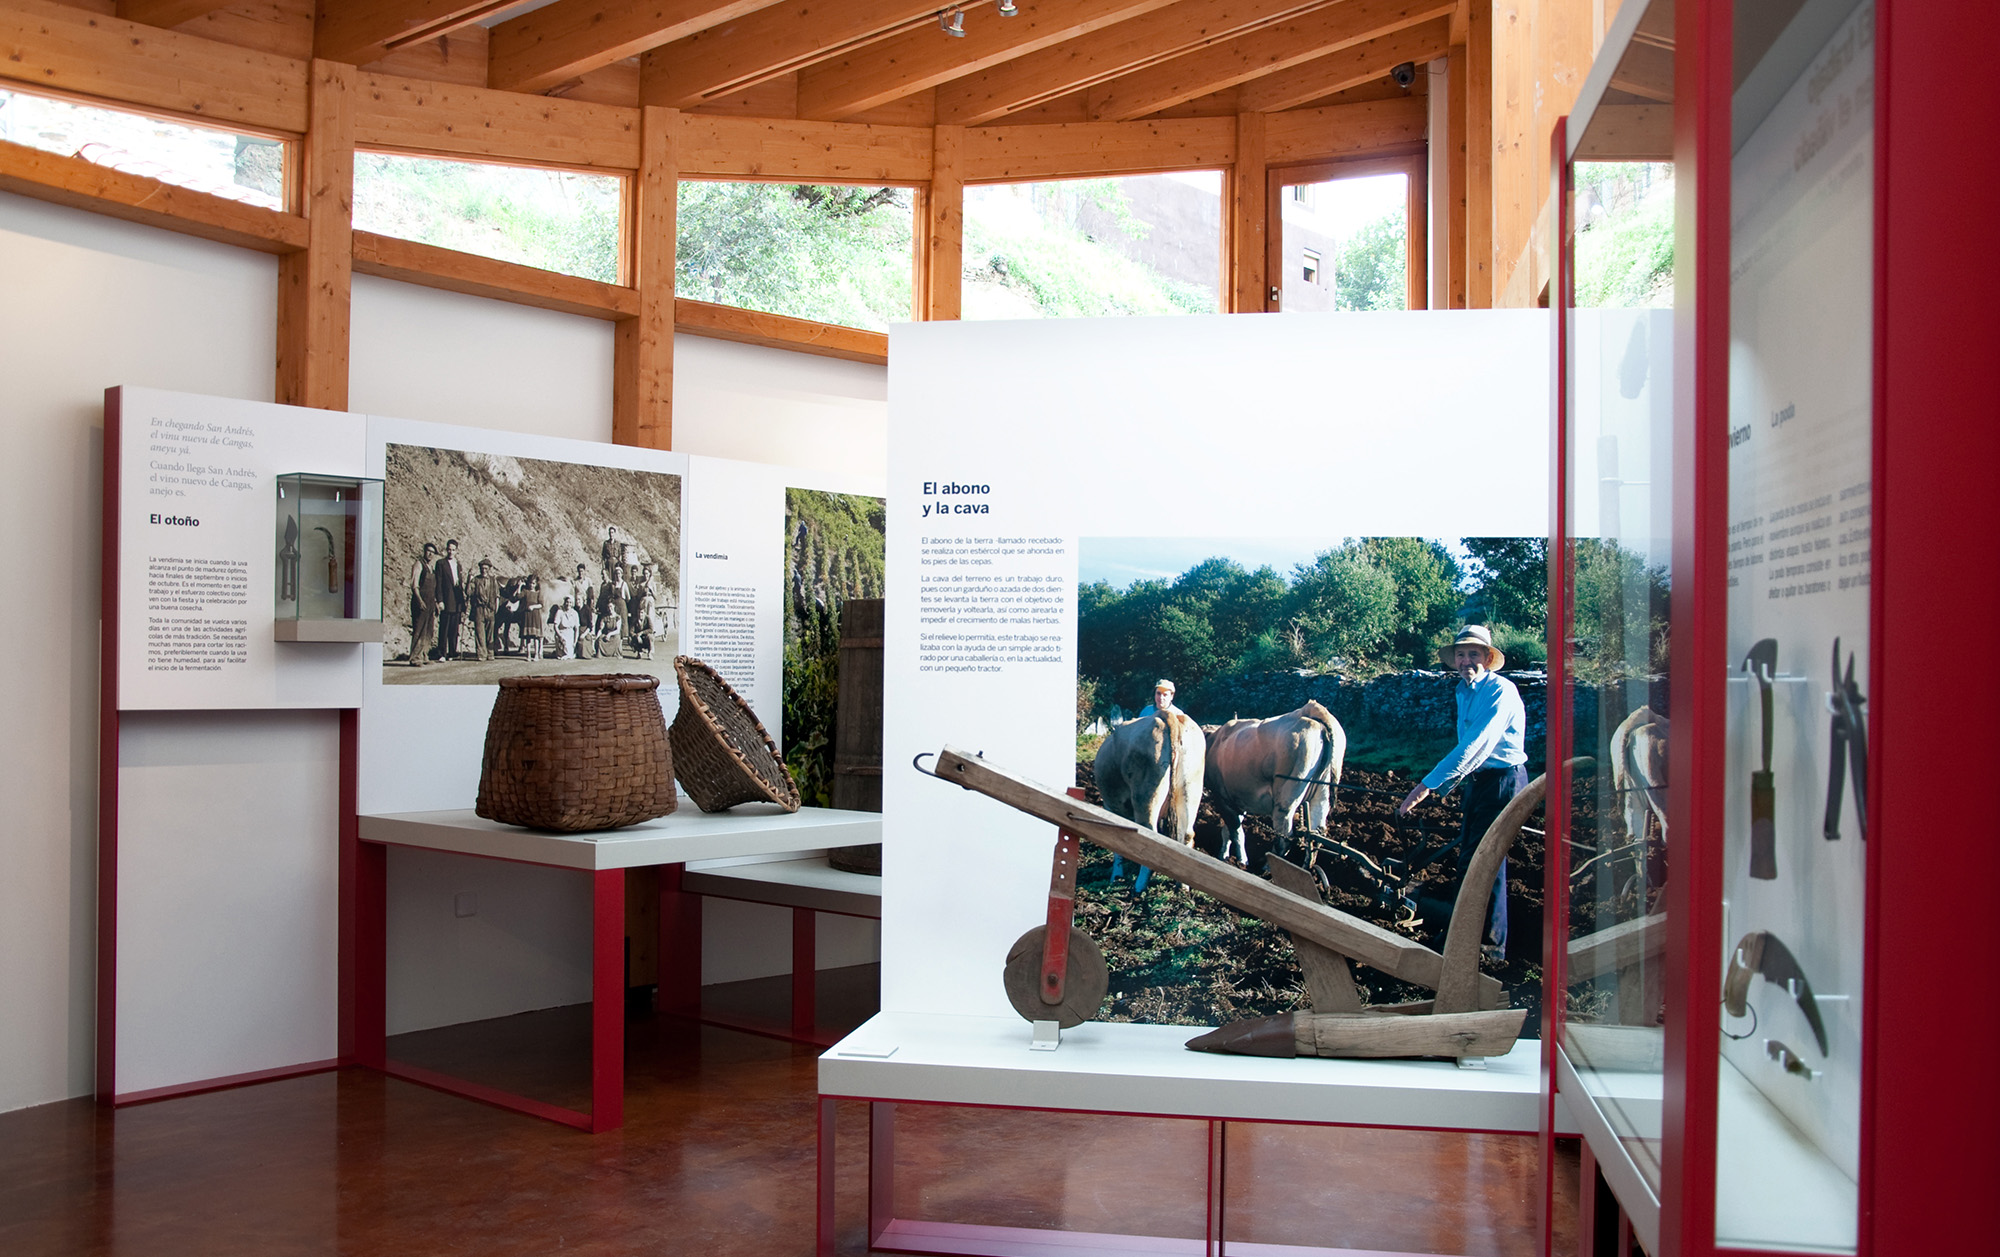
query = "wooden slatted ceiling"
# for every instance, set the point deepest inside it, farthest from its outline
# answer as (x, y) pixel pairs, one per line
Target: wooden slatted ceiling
(1262, 52)
(1038, 77)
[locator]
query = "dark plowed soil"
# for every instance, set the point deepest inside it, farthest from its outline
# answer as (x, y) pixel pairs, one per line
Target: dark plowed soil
(1179, 957)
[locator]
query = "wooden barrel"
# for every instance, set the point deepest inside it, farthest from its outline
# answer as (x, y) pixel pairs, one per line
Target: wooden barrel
(857, 738)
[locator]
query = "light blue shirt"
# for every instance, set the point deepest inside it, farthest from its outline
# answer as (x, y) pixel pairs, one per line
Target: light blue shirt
(1492, 728)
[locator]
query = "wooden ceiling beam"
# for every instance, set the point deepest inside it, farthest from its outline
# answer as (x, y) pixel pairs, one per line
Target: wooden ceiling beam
(360, 32)
(911, 62)
(1374, 128)
(1039, 77)
(74, 50)
(553, 45)
(165, 13)
(1262, 52)
(1350, 67)
(771, 42)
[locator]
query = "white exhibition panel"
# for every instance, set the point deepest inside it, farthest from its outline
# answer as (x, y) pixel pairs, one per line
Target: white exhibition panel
(228, 875)
(92, 303)
(1123, 1068)
(197, 571)
(1428, 424)
(736, 554)
(421, 744)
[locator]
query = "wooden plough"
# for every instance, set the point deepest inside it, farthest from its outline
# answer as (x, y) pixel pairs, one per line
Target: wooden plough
(1054, 968)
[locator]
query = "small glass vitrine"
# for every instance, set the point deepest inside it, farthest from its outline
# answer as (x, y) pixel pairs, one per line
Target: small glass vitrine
(329, 559)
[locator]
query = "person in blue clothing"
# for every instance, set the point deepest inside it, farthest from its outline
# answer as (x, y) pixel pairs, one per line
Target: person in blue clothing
(1490, 757)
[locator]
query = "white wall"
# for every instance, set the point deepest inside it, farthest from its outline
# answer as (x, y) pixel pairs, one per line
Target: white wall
(90, 302)
(419, 353)
(775, 406)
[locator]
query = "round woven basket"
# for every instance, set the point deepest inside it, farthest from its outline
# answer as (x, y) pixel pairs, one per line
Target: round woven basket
(576, 753)
(722, 754)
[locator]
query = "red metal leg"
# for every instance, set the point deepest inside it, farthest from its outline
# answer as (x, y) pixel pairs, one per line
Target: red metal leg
(824, 1230)
(881, 1168)
(1212, 1238)
(607, 1001)
(371, 954)
(680, 945)
(805, 972)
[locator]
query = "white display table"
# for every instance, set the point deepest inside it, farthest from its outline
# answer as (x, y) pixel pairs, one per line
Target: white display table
(687, 834)
(670, 843)
(1140, 1071)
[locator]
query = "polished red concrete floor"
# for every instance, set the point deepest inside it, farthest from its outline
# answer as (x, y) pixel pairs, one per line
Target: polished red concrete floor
(716, 1157)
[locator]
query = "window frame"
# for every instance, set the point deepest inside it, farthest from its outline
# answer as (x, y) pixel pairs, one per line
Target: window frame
(1413, 164)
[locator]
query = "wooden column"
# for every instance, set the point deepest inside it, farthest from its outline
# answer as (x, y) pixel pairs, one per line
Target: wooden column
(1416, 215)
(1246, 281)
(314, 286)
(1479, 155)
(1454, 242)
(642, 395)
(941, 249)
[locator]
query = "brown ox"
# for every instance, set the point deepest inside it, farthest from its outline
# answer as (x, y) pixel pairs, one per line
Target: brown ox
(1149, 771)
(1268, 767)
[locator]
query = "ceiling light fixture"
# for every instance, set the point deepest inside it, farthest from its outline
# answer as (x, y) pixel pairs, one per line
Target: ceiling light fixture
(1009, 9)
(952, 23)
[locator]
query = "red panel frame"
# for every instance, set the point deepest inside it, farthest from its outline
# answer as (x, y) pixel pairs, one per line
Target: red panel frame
(1703, 86)
(1555, 844)
(1926, 1164)
(107, 757)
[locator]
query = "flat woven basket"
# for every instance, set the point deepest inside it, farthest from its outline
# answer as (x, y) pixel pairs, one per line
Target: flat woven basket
(576, 753)
(722, 754)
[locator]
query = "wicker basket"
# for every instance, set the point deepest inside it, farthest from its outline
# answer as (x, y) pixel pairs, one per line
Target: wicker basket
(722, 754)
(576, 753)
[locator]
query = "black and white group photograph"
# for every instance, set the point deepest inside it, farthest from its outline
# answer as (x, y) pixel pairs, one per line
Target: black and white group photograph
(501, 566)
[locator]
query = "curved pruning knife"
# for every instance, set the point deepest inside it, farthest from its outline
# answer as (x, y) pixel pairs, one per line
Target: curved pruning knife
(1762, 663)
(1762, 952)
(1850, 735)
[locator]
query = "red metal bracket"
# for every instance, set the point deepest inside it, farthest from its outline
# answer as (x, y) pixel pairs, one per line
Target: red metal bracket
(1062, 910)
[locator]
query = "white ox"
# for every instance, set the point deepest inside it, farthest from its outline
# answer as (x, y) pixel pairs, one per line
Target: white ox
(1149, 771)
(1268, 767)
(1639, 770)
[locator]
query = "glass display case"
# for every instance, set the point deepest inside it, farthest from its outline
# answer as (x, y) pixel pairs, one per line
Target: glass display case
(1716, 423)
(329, 559)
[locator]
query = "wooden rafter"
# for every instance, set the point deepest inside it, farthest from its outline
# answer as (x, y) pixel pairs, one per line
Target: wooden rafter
(364, 31)
(1036, 78)
(1262, 52)
(770, 42)
(919, 59)
(1350, 67)
(550, 46)
(167, 12)
(1646, 71)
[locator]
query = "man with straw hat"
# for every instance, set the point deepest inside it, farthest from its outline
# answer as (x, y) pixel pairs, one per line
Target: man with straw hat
(1489, 757)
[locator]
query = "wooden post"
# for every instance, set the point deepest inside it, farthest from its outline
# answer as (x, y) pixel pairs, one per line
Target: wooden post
(1455, 115)
(941, 250)
(1246, 283)
(1417, 236)
(314, 287)
(642, 397)
(1479, 155)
